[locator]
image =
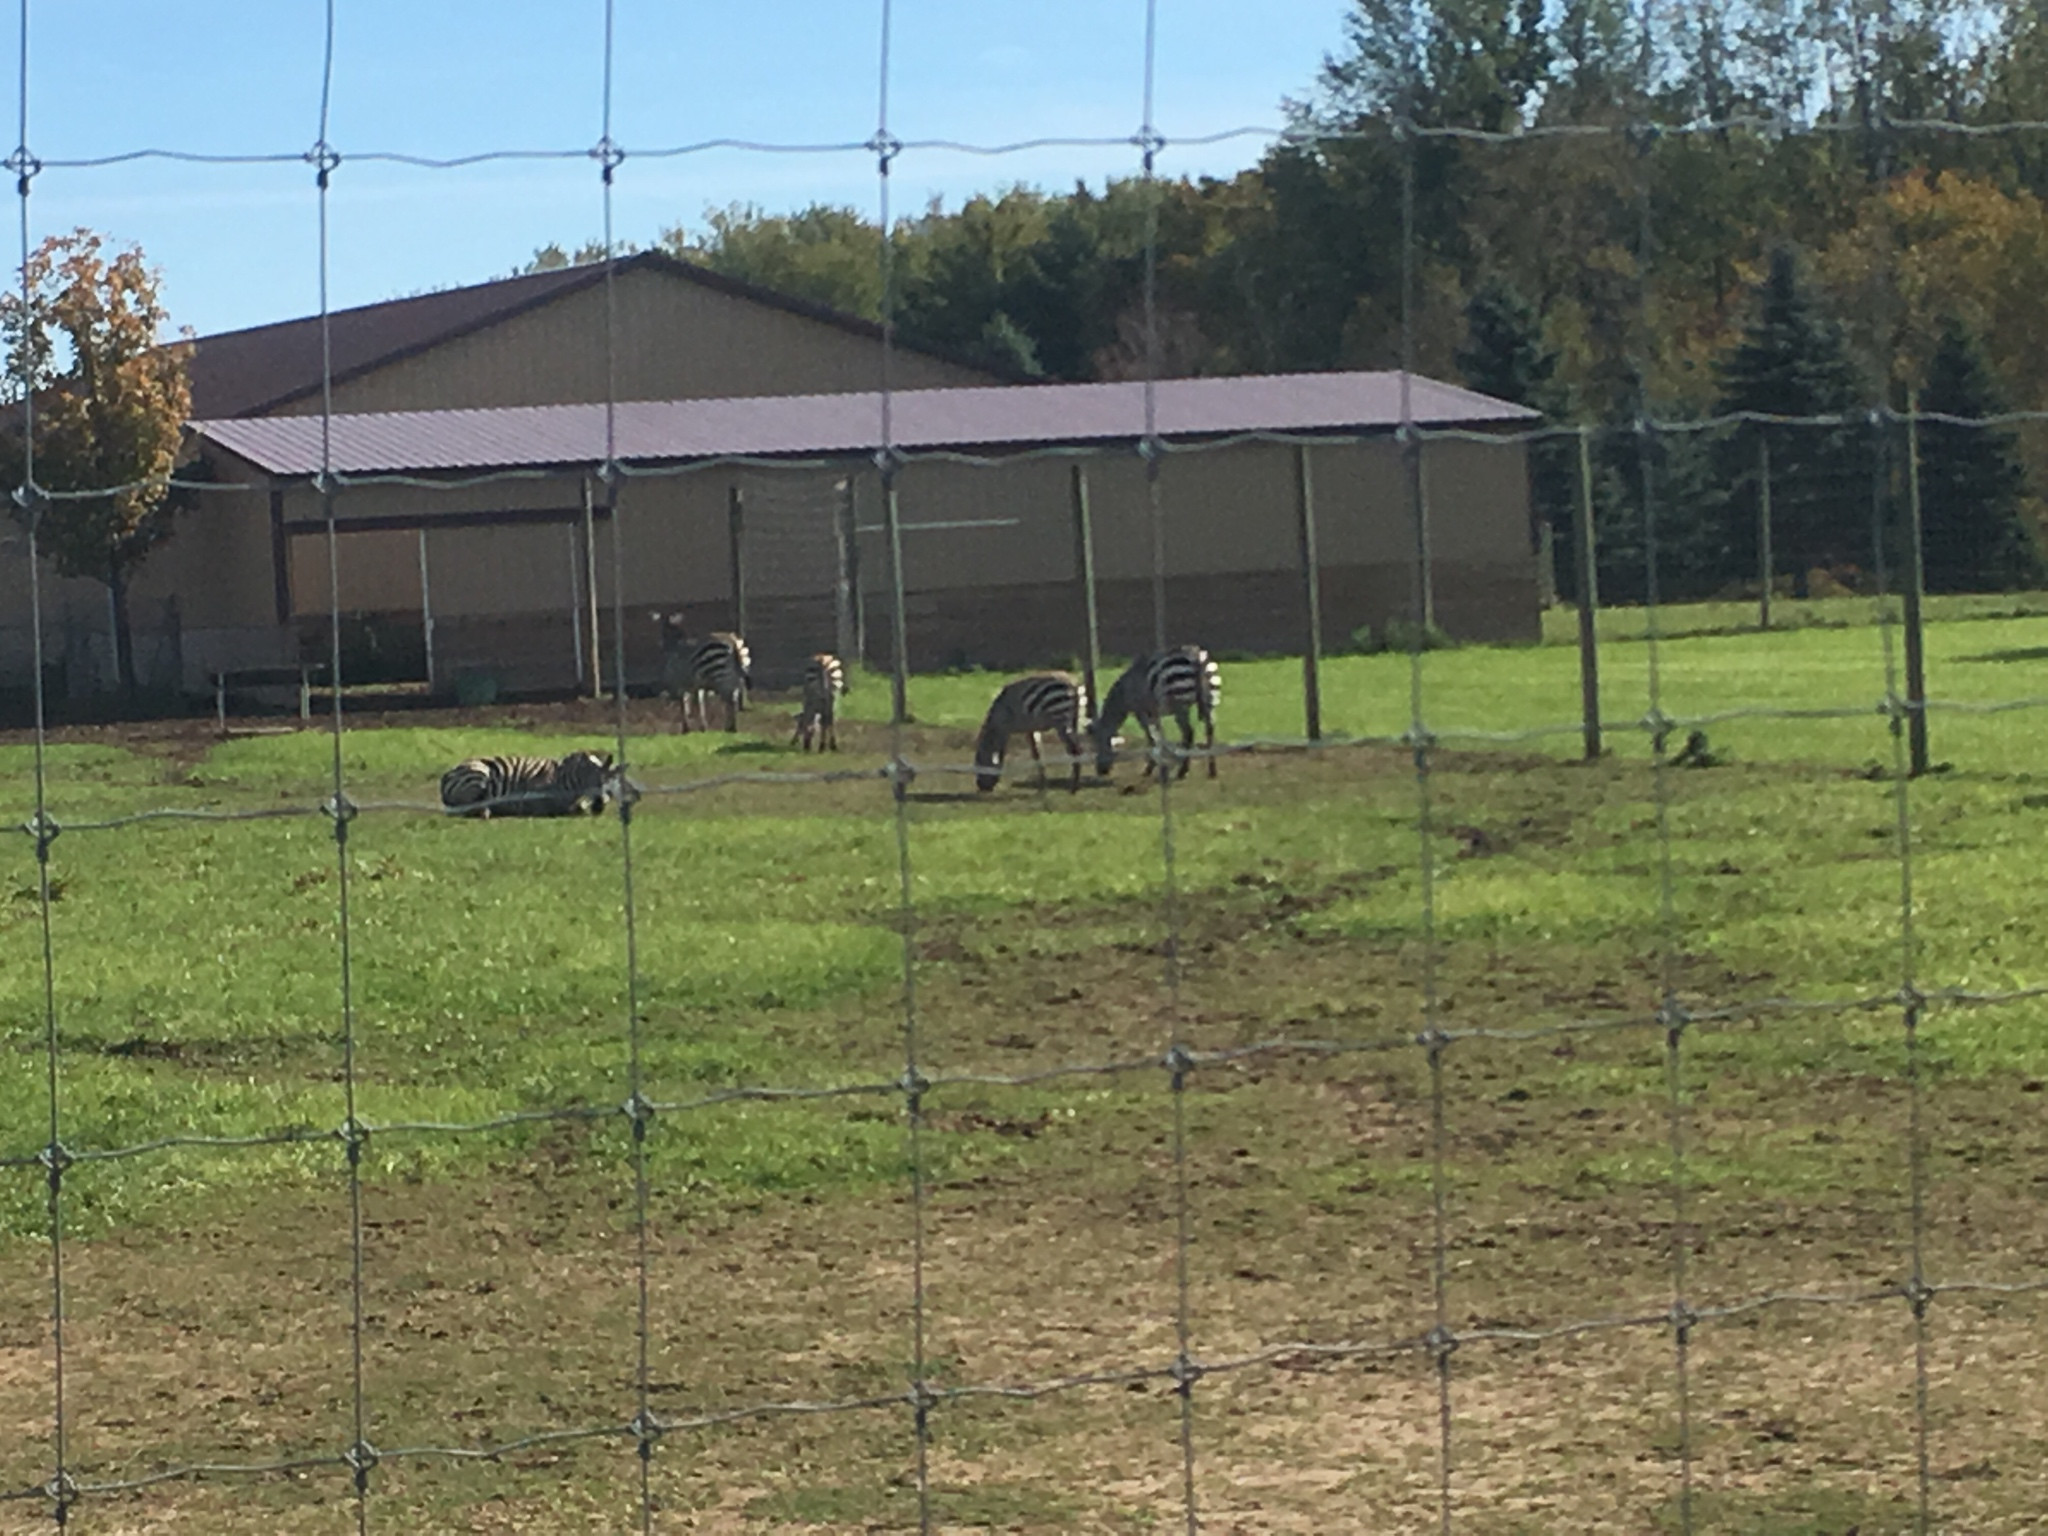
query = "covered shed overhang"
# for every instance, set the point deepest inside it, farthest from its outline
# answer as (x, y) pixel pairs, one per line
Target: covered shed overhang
(999, 419)
(458, 447)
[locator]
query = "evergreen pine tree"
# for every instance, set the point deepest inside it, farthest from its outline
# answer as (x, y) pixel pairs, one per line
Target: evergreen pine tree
(1794, 360)
(1975, 534)
(1681, 481)
(1505, 356)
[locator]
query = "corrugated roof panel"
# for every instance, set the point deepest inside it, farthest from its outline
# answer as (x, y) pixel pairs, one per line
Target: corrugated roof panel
(1009, 416)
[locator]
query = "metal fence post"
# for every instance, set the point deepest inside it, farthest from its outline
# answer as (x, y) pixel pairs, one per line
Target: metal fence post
(1312, 592)
(1587, 559)
(1084, 564)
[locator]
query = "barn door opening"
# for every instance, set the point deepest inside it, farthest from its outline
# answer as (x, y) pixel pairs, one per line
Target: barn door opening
(384, 613)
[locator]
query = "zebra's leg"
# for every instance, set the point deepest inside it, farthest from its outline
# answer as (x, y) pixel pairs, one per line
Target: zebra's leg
(1209, 739)
(732, 711)
(1155, 746)
(1038, 758)
(1187, 740)
(1073, 746)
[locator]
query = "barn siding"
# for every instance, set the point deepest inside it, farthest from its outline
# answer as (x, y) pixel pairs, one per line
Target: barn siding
(676, 340)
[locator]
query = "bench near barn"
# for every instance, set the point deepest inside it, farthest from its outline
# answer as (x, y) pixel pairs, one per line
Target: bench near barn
(302, 676)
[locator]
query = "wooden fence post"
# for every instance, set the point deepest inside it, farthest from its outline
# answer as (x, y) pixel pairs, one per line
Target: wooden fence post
(1084, 564)
(590, 590)
(1312, 591)
(1915, 589)
(1766, 565)
(1587, 558)
(736, 527)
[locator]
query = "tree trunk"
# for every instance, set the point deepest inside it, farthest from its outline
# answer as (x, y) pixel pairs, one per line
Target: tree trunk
(124, 638)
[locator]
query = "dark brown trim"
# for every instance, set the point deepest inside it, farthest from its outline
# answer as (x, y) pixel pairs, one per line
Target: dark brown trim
(280, 556)
(510, 517)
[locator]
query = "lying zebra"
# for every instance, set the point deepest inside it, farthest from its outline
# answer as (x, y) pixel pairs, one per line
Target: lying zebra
(529, 786)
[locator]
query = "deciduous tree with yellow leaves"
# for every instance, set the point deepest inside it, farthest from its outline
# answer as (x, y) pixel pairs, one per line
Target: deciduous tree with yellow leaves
(107, 394)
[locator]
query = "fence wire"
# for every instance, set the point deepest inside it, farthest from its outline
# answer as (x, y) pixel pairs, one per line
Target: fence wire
(1177, 1062)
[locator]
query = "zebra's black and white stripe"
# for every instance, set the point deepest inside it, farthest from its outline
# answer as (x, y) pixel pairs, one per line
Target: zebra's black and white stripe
(1045, 701)
(698, 671)
(529, 786)
(1182, 682)
(817, 719)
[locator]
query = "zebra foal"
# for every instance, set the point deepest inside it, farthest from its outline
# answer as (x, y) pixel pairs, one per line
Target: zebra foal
(528, 786)
(697, 671)
(1183, 683)
(818, 717)
(1044, 701)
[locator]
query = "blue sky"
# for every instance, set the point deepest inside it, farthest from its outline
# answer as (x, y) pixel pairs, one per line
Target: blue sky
(237, 244)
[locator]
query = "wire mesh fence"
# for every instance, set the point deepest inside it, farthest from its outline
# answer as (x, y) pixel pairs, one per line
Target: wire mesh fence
(935, 561)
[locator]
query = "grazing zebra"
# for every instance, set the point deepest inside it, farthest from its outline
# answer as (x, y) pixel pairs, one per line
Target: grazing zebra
(1044, 701)
(529, 786)
(1181, 682)
(698, 671)
(824, 682)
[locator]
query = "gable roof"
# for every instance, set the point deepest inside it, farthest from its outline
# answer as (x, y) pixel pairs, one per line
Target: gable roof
(999, 417)
(252, 372)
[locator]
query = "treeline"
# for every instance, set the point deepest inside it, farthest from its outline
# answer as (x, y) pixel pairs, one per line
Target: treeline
(1799, 207)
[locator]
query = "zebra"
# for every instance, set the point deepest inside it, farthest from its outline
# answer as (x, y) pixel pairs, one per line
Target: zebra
(1180, 682)
(1044, 701)
(718, 666)
(529, 786)
(817, 720)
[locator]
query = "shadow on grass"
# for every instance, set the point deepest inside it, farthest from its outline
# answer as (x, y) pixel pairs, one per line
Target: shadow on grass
(2023, 653)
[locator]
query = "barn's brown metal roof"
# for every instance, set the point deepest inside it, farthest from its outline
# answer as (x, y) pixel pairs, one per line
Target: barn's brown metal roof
(1000, 418)
(254, 371)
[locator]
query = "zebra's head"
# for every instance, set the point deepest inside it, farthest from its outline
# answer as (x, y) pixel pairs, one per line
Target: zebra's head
(988, 759)
(590, 775)
(1106, 742)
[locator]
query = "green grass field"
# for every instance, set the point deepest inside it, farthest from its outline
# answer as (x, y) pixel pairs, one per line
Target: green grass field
(197, 996)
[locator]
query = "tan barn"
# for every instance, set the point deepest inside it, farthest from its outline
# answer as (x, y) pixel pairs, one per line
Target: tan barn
(766, 513)
(209, 599)
(476, 535)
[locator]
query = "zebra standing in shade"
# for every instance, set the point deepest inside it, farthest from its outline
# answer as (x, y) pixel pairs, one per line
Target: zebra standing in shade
(1182, 682)
(698, 671)
(817, 720)
(1044, 701)
(529, 786)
